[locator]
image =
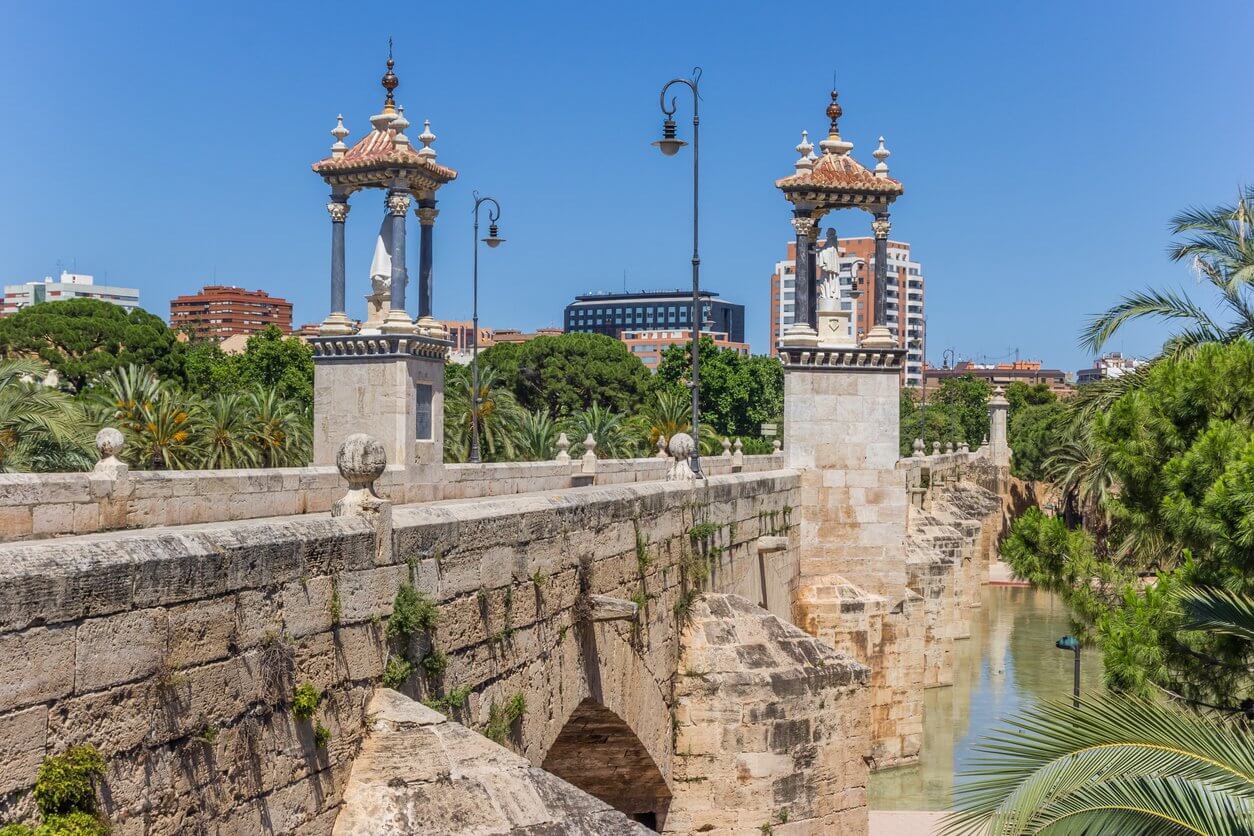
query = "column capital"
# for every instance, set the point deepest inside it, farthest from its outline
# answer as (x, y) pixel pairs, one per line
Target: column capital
(427, 215)
(806, 227)
(338, 209)
(397, 203)
(880, 226)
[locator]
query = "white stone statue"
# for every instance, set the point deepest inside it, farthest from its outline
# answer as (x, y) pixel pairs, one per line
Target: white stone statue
(829, 268)
(833, 322)
(378, 303)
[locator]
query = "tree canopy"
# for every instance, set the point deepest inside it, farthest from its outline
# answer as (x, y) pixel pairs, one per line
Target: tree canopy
(738, 394)
(84, 338)
(269, 360)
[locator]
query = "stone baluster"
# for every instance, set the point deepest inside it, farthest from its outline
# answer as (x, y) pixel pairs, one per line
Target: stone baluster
(563, 447)
(727, 447)
(738, 457)
(589, 461)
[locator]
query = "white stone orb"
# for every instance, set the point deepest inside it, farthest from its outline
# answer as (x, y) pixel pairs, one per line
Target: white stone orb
(682, 446)
(109, 442)
(361, 460)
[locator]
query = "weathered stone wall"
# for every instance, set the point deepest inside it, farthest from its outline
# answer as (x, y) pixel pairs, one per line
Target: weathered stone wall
(52, 504)
(176, 652)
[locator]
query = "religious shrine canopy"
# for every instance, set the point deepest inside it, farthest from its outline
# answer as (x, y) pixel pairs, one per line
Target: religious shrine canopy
(835, 180)
(384, 158)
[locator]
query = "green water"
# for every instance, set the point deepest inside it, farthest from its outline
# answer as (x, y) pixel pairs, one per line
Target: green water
(1008, 663)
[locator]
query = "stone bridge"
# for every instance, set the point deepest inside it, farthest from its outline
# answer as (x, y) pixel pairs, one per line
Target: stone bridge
(582, 646)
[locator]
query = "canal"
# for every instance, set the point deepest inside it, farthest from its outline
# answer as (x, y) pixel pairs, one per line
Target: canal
(1009, 662)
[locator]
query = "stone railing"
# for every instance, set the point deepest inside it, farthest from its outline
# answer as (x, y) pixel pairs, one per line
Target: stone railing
(113, 497)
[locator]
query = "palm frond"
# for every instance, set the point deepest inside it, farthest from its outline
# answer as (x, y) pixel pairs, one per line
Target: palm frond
(1210, 608)
(1160, 304)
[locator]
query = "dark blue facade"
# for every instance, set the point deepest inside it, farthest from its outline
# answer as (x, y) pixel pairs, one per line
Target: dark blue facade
(613, 313)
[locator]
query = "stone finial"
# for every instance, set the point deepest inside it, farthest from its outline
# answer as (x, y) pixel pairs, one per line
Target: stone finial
(738, 457)
(361, 460)
(775, 445)
(681, 448)
(805, 148)
(339, 149)
(936, 448)
(881, 155)
(589, 459)
(563, 446)
(661, 447)
(918, 447)
(963, 448)
(999, 398)
(109, 442)
(949, 446)
(399, 124)
(427, 139)
(726, 447)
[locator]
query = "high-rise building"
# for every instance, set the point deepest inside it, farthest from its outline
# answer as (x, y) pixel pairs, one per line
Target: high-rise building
(905, 296)
(613, 313)
(68, 286)
(218, 311)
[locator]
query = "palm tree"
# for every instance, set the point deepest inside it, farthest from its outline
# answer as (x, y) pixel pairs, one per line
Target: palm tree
(499, 416)
(120, 396)
(278, 431)
(1118, 764)
(40, 428)
(536, 437)
(667, 413)
(1220, 245)
(165, 434)
(609, 428)
(225, 428)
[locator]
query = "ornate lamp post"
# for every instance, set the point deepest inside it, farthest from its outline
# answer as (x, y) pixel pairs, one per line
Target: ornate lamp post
(493, 240)
(669, 145)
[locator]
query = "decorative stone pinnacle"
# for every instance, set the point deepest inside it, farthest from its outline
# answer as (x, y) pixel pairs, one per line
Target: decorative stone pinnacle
(918, 447)
(397, 203)
(339, 149)
(590, 445)
(834, 144)
(563, 445)
(399, 124)
(681, 449)
(726, 447)
(834, 112)
(806, 149)
(881, 155)
(949, 446)
(739, 445)
(361, 460)
(427, 139)
(338, 210)
(390, 82)
(775, 445)
(109, 442)
(936, 448)
(588, 462)
(661, 447)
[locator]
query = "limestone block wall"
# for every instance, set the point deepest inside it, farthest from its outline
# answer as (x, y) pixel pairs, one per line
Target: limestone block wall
(177, 652)
(770, 728)
(54, 504)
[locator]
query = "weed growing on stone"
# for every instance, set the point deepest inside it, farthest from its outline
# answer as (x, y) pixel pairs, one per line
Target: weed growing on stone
(208, 734)
(322, 736)
(396, 671)
(412, 611)
(683, 605)
(455, 699)
(336, 608)
(305, 701)
(539, 579)
(435, 663)
(501, 719)
(65, 793)
(277, 662)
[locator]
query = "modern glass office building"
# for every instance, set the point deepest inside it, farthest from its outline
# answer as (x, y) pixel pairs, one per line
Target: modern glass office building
(613, 313)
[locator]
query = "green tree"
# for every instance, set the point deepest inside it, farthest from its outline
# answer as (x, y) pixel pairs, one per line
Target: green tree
(41, 429)
(1035, 433)
(738, 394)
(269, 360)
(966, 399)
(84, 338)
(226, 425)
(610, 429)
(568, 373)
(498, 415)
(278, 430)
(933, 422)
(536, 437)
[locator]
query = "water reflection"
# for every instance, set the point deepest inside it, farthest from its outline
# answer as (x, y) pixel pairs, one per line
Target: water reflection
(1008, 663)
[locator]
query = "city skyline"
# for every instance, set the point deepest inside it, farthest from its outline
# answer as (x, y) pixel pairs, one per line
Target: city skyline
(1016, 256)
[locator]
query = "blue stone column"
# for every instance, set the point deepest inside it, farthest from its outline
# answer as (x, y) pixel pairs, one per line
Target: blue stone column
(397, 318)
(426, 219)
(337, 322)
(880, 226)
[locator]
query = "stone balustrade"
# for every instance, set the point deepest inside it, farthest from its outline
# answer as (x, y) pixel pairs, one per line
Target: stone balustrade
(52, 504)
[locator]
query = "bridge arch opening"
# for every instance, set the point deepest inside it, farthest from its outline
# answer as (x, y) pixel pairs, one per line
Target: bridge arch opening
(599, 753)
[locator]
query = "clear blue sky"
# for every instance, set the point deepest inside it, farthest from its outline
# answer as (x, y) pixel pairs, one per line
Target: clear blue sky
(1043, 146)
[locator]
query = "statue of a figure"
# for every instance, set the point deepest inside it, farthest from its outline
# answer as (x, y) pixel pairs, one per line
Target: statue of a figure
(381, 264)
(829, 267)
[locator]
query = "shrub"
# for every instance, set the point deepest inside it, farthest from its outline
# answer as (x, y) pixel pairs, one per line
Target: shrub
(411, 611)
(322, 736)
(305, 701)
(396, 671)
(67, 783)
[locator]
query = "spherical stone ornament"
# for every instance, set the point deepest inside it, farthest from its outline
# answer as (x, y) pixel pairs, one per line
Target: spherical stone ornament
(361, 460)
(109, 442)
(682, 446)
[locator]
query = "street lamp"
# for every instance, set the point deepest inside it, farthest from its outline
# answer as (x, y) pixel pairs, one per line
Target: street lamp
(493, 240)
(1073, 644)
(669, 145)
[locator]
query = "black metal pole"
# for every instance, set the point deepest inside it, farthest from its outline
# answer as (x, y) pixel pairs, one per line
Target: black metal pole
(474, 347)
(692, 84)
(1075, 688)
